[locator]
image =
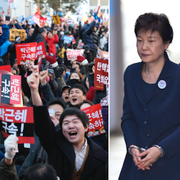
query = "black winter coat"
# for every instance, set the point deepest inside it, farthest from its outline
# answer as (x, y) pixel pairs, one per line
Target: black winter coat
(90, 37)
(61, 152)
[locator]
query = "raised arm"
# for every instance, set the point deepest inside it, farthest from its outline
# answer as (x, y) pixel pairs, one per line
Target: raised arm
(33, 82)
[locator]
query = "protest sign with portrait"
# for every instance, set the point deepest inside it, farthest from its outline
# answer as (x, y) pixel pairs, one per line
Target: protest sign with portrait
(17, 32)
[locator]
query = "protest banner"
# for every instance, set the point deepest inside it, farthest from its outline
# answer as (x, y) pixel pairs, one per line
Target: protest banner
(68, 39)
(26, 52)
(30, 20)
(69, 22)
(48, 22)
(38, 19)
(18, 121)
(101, 73)
(56, 19)
(6, 68)
(17, 32)
(10, 89)
(40, 49)
(74, 53)
(20, 19)
(96, 126)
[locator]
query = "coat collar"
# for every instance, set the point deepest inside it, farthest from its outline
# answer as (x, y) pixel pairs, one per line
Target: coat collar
(96, 156)
(164, 75)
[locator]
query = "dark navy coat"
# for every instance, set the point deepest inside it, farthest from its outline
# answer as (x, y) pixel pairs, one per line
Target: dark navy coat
(154, 121)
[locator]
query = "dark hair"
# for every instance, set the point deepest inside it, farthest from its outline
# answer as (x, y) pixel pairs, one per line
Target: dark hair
(85, 101)
(79, 86)
(74, 111)
(57, 101)
(40, 172)
(155, 22)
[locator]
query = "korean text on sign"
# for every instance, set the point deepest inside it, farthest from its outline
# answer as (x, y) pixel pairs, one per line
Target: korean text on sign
(41, 49)
(26, 52)
(75, 53)
(101, 73)
(18, 121)
(10, 89)
(96, 126)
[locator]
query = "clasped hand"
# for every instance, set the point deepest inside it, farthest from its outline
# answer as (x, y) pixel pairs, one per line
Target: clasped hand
(144, 160)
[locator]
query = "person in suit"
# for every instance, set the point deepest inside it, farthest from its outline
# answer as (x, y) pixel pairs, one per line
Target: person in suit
(151, 109)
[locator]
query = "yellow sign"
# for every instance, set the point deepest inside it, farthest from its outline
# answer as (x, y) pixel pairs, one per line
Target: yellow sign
(17, 32)
(56, 19)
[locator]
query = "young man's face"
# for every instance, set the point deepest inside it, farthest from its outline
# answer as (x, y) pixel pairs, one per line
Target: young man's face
(73, 130)
(65, 95)
(76, 96)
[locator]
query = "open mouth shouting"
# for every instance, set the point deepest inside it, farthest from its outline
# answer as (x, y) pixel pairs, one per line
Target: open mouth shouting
(74, 100)
(72, 134)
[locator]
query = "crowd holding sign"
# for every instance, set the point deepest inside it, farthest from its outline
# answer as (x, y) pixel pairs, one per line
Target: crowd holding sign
(95, 120)
(101, 73)
(17, 32)
(18, 121)
(10, 89)
(74, 53)
(26, 52)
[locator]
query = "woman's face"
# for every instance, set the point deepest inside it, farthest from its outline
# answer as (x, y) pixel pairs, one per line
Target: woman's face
(150, 46)
(49, 35)
(75, 76)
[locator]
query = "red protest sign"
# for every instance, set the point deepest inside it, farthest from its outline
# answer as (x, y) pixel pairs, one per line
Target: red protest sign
(6, 68)
(26, 52)
(71, 52)
(101, 73)
(41, 49)
(96, 126)
(10, 89)
(38, 19)
(18, 121)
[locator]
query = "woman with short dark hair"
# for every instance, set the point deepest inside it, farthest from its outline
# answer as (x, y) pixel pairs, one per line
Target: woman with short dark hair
(151, 109)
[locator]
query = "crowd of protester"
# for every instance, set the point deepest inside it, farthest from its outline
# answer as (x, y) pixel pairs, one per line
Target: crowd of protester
(66, 86)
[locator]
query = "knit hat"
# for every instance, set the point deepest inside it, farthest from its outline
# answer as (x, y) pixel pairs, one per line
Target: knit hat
(51, 71)
(82, 59)
(66, 33)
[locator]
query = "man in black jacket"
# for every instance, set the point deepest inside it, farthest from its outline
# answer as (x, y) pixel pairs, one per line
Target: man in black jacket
(72, 154)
